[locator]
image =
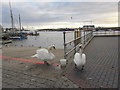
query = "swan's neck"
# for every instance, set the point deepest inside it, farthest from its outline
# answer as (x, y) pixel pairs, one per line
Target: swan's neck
(80, 52)
(50, 49)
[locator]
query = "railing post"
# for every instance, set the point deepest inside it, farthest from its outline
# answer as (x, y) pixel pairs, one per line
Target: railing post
(75, 41)
(84, 35)
(64, 45)
(80, 36)
(91, 33)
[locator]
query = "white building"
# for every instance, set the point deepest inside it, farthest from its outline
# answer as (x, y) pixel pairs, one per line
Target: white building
(88, 27)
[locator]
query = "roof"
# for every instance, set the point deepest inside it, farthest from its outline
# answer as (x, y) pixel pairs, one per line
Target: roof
(89, 26)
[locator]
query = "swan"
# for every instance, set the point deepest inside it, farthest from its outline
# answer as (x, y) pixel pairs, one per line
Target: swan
(45, 54)
(79, 59)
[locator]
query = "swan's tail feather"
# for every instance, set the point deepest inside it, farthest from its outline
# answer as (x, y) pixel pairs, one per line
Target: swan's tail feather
(34, 55)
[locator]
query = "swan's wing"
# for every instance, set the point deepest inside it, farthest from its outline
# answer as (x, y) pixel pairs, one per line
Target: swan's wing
(42, 50)
(39, 53)
(44, 54)
(83, 58)
(34, 55)
(77, 59)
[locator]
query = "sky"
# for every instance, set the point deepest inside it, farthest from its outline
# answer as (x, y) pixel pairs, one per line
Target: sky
(57, 14)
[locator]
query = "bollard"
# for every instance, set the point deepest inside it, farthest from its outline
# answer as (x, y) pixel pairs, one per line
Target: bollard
(63, 62)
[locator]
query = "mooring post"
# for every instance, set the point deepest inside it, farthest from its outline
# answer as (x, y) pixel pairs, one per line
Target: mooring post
(64, 45)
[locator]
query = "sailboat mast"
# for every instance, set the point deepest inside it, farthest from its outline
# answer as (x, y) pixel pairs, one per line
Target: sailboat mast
(20, 22)
(11, 15)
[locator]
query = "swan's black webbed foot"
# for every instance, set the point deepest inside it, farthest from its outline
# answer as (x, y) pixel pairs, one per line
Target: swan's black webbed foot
(45, 62)
(76, 68)
(82, 67)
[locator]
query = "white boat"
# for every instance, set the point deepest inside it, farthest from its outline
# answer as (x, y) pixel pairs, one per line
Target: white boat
(6, 41)
(16, 37)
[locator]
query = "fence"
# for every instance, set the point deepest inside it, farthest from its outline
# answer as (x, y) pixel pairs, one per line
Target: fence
(71, 47)
(100, 33)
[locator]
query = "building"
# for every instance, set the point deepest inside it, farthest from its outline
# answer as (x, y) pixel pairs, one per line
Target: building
(88, 27)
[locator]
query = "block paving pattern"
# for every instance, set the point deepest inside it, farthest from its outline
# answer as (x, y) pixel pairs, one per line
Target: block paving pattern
(19, 79)
(101, 69)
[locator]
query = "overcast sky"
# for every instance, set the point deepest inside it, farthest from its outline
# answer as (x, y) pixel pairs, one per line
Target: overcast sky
(58, 14)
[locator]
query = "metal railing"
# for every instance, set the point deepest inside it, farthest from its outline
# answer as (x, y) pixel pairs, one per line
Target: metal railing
(81, 37)
(100, 33)
(71, 47)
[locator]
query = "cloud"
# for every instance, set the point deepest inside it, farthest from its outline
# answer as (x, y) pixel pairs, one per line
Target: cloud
(59, 13)
(61, 0)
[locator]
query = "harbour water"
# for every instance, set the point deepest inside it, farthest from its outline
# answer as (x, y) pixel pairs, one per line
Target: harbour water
(45, 39)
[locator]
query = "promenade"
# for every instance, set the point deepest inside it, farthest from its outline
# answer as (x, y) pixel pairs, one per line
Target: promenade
(101, 69)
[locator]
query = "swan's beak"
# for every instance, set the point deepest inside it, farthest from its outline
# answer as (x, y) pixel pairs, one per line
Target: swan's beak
(80, 46)
(54, 48)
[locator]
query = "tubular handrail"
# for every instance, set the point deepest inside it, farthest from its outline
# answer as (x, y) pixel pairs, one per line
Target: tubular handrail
(76, 39)
(68, 31)
(72, 49)
(76, 44)
(83, 40)
(73, 40)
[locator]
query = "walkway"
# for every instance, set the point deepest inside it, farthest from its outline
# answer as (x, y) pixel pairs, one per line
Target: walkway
(101, 70)
(19, 70)
(20, 79)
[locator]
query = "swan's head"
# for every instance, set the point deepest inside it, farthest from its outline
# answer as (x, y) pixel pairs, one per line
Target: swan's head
(52, 47)
(80, 47)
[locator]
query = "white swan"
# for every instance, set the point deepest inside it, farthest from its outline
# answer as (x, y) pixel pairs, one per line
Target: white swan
(45, 54)
(80, 59)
